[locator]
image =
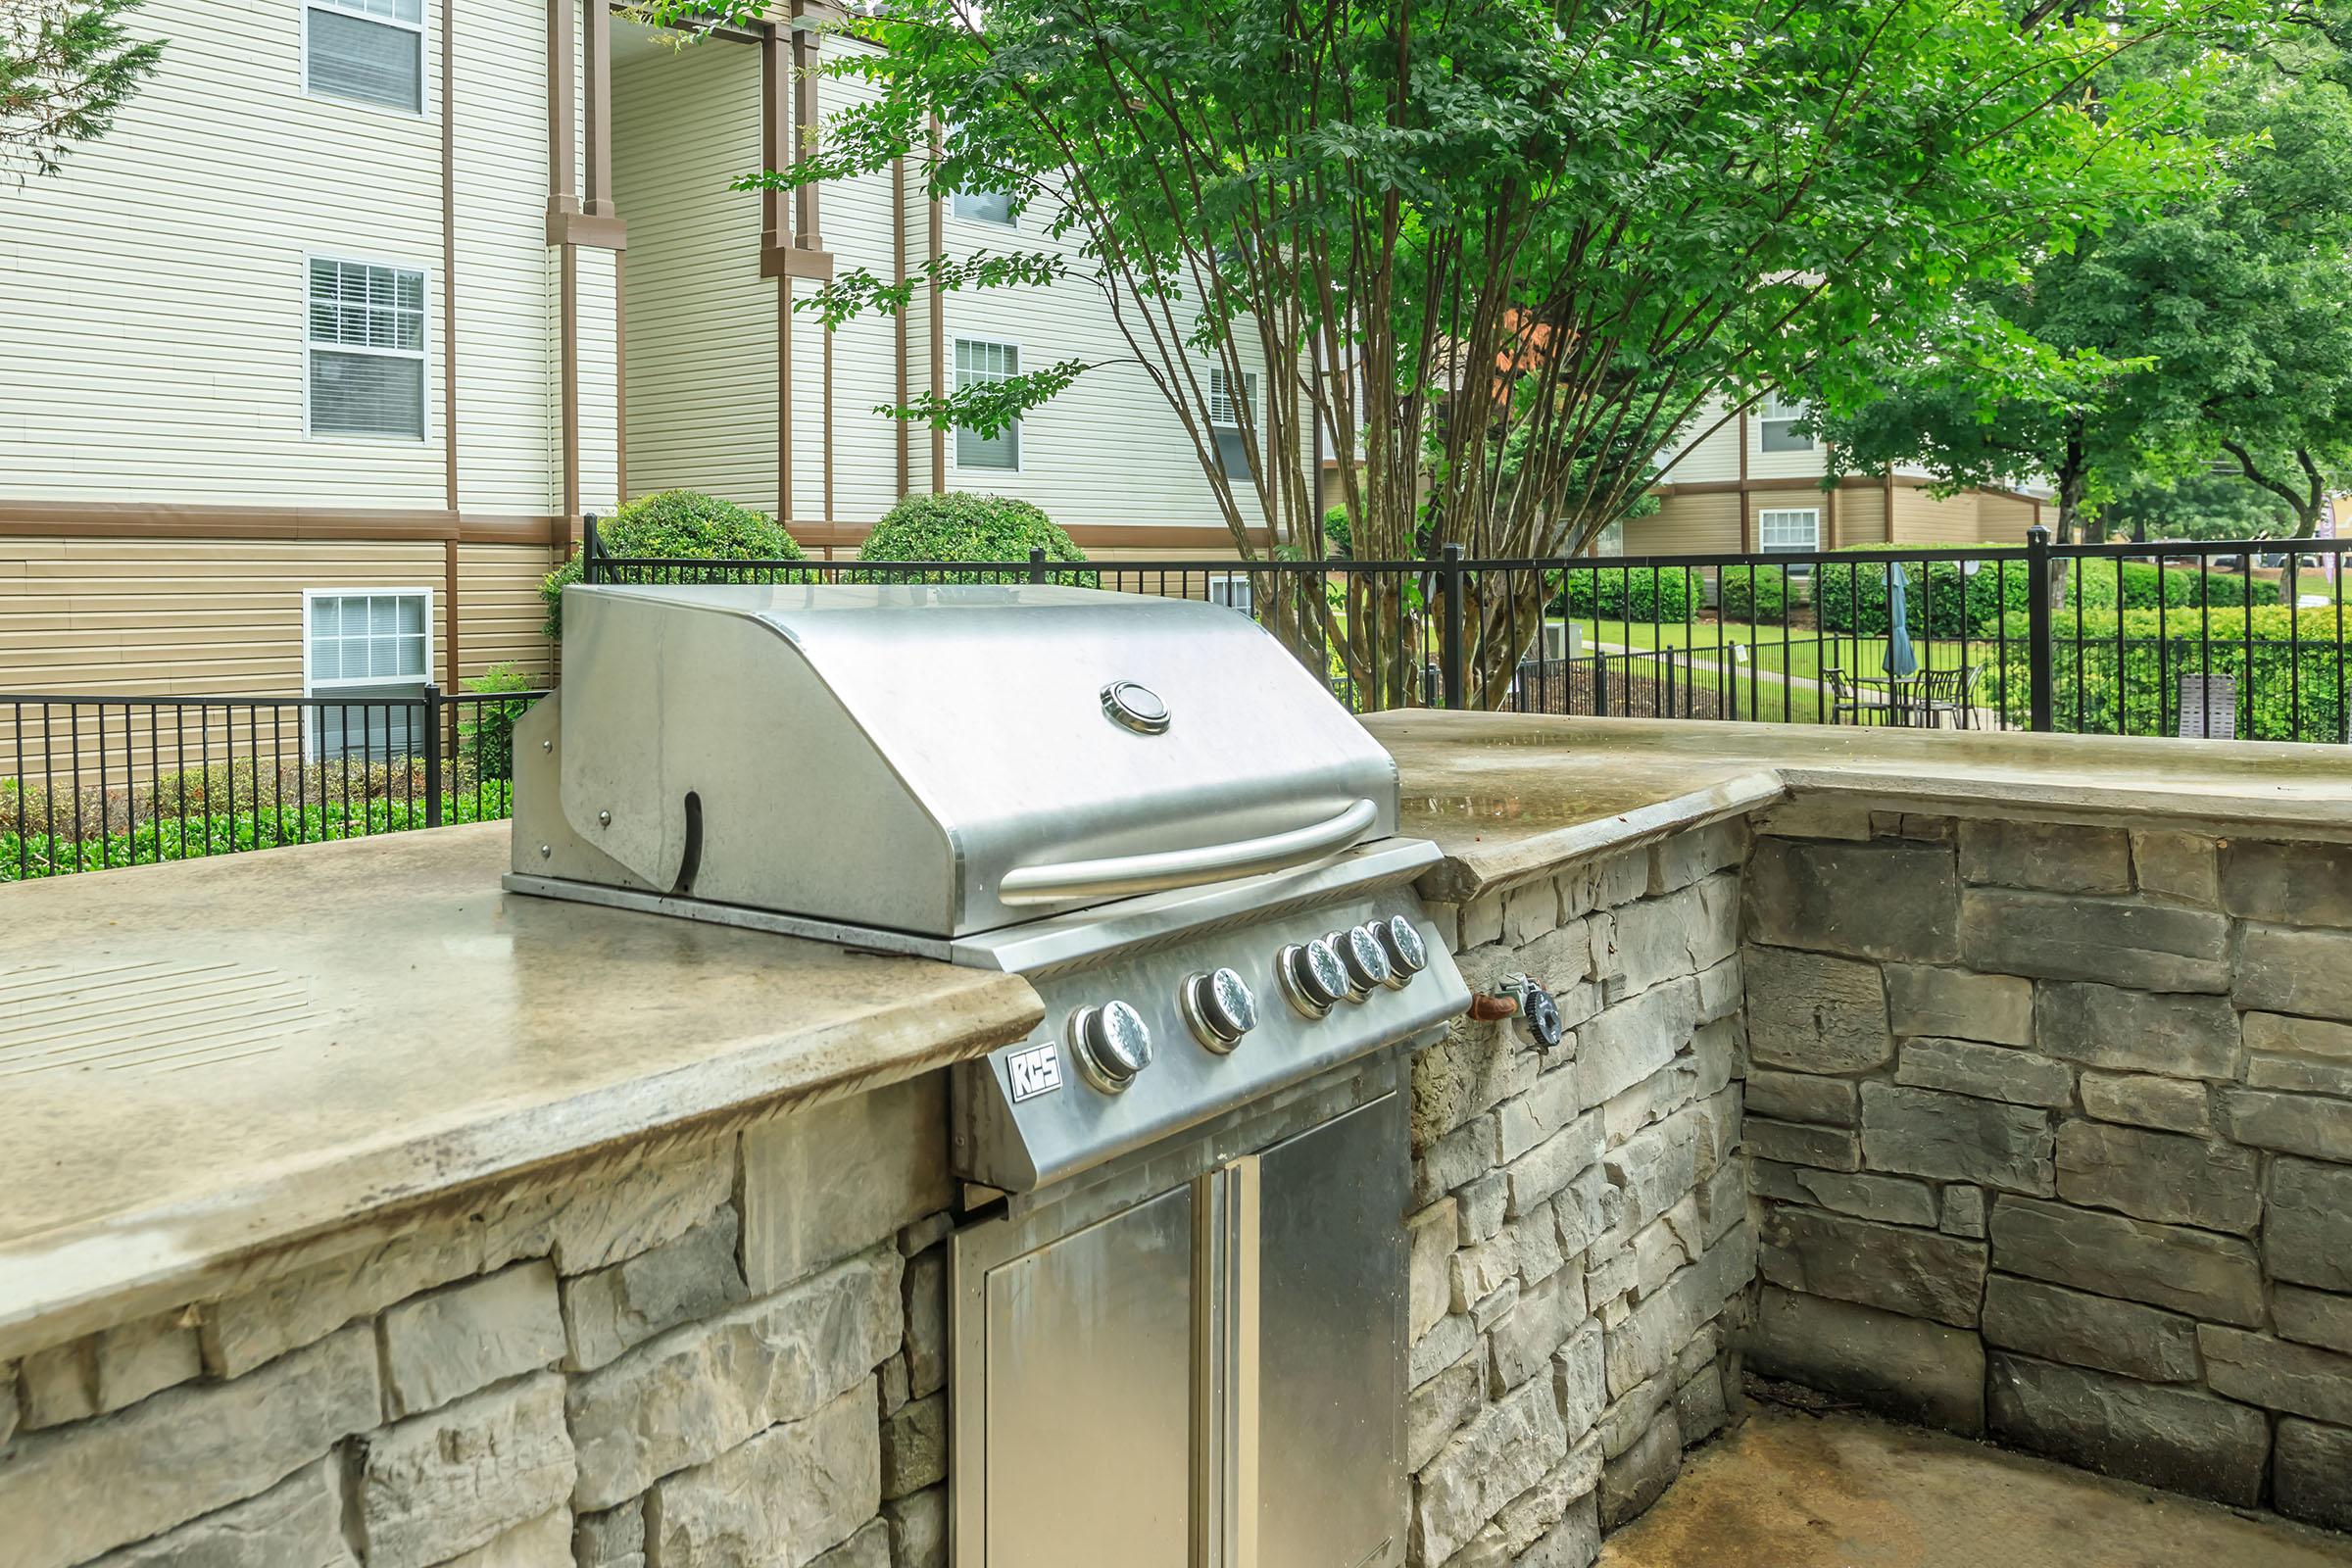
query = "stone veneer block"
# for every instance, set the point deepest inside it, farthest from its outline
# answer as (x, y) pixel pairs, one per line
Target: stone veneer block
(691, 1394)
(542, 1542)
(1925, 1132)
(1521, 1344)
(1988, 1072)
(2192, 1271)
(2299, 1075)
(2278, 1035)
(1682, 858)
(1824, 1147)
(2138, 1031)
(1803, 1097)
(462, 1339)
(2284, 970)
(2159, 1176)
(1639, 1476)
(1536, 1176)
(243, 1331)
(2129, 942)
(1881, 898)
(2293, 1124)
(1894, 1200)
(2307, 1233)
(1632, 1039)
(869, 1548)
(2278, 1374)
(914, 1447)
(184, 1452)
(918, 1530)
(1994, 1007)
(2056, 1324)
(1428, 1247)
(1812, 1013)
(783, 1497)
(2180, 1438)
(110, 1369)
(2056, 858)
(613, 1539)
(1904, 1366)
(2314, 1317)
(2142, 1099)
(1437, 1410)
(1919, 1273)
(612, 1309)
(2312, 1478)
(296, 1524)
(820, 1184)
(2302, 884)
(1963, 1210)
(444, 1482)
(1505, 1449)
(2178, 868)
(598, 1215)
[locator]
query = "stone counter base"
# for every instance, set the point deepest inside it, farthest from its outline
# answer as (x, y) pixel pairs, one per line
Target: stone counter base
(729, 1350)
(2050, 1130)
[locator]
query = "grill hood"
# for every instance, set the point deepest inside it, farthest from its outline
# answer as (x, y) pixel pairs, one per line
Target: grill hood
(935, 761)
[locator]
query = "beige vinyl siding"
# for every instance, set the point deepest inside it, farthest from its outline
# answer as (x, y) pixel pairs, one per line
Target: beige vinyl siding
(598, 306)
(2003, 519)
(701, 322)
(1862, 516)
(152, 295)
(1920, 519)
(509, 434)
(858, 222)
(1707, 524)
(1708, 450)
(500, 615)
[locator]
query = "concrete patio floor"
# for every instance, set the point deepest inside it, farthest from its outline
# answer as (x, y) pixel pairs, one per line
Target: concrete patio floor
(1789, 1489)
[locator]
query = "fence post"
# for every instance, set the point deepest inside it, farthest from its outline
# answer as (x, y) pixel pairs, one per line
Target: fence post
(432, 754)
(1449, 651)
(590, 549)
(2039, 661)
(1037, 564)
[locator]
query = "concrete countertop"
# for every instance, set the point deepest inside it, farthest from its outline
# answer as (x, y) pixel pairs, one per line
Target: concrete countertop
(206, 1061)
(1508, 796)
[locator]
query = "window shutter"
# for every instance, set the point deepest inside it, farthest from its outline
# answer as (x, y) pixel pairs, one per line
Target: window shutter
(369, 62)
(978, 364)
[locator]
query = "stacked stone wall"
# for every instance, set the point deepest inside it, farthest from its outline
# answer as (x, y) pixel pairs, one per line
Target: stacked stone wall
(1580, 1252)
(727, 1350)
(2052, 1132)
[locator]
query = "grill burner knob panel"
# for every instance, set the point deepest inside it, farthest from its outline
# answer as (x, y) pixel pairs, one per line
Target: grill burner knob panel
(1113, 1045)
(1407, 955)
(1312, 976)
(1365, 960)
(1219, 1007)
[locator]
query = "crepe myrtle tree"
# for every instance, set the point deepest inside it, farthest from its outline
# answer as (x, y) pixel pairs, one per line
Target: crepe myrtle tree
(1507, 249)
(65, 68)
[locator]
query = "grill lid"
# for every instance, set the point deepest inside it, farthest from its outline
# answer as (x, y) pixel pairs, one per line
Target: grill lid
(945, 761)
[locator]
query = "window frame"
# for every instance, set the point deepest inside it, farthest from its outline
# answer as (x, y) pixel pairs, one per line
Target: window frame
(1777, 408)
(1249, 399)
(1020, 456)
(313, 727)
(1011, 220)
(421, 28)
(423, 353)
(1228, 580)
(1813, 548)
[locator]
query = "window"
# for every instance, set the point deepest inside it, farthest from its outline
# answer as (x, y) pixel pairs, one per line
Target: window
(1776, 415)
(367, 347)
(369, 51)
(983, 206)
(1225, 421)
(1231, 589)
(370, 650)
(976, 364)
(1794, 529)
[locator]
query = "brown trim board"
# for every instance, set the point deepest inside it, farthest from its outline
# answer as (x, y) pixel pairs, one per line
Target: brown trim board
(137, 520)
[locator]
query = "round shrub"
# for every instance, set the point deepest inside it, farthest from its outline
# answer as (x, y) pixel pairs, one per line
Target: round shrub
(675, 526)
(1649, 596)
(961, 526)
(1941, 598)
(1752, 594)
(1339, 534)
(2146, 586)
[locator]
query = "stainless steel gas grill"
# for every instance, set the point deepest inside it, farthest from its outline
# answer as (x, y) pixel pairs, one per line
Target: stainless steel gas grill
(1178, 1315)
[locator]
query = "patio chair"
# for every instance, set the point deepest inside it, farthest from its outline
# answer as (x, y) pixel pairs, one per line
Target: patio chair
(1852, 702)
(1938, 692)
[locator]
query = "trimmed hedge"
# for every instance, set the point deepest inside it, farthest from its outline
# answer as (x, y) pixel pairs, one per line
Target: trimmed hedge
(170, 838)
(1941, 598)
(675, 524)
(1752, 594)
(1647, 596)
(2094, 584)
(964, 526)
(2290, 670)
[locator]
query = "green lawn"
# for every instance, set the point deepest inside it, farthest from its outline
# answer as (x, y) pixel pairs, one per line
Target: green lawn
(1779, 680)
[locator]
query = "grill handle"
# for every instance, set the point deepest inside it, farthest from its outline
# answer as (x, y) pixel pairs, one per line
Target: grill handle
(1125, 874)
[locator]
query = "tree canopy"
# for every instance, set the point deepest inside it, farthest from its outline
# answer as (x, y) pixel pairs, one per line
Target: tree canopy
(65, 68)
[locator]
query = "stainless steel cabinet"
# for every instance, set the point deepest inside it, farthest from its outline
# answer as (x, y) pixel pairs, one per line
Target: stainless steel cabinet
(1209, 1376)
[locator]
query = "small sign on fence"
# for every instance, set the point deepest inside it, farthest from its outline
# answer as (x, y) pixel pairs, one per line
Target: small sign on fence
(2208, 707)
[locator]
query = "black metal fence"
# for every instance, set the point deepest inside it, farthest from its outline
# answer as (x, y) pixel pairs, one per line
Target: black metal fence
(88, 782)
(2238, 638)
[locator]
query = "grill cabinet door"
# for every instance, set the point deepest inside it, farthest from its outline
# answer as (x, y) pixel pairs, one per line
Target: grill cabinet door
(1331, 1343)
(1089, 1399)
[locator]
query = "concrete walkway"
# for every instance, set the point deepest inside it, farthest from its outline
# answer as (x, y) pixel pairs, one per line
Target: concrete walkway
(1794, 1491)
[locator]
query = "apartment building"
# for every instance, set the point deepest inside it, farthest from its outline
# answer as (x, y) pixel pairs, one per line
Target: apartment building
(1751, 481)
(311, 365)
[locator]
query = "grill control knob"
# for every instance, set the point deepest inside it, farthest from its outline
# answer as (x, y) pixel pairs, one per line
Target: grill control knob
(1407, 955)
(1113, 1044)
(1312, 976)
(1365, 960)
(1219, 1007)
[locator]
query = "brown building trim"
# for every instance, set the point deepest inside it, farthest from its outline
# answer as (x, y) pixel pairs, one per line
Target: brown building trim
(817, 534)
(562, 195)
(897, 263)
(1747, 517)
(598, 59)
(1829, 515)
(572, 378)
(828, 417)
(595, 232)
(449, 259)
(448, 616)
(937, 240)
(796, 261)
(228, 523)
(1890, 503)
